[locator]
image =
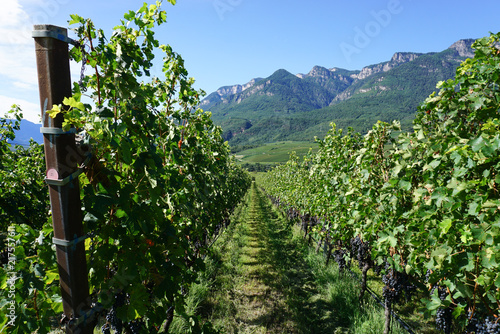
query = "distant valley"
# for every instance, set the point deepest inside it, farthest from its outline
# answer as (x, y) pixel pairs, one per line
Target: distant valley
(298, 107)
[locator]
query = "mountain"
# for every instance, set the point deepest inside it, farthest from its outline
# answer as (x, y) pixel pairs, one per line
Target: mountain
(285, 106)
(28, 131)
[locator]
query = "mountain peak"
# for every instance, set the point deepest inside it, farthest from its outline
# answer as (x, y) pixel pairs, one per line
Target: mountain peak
(464, 47)
(281, 73)
(318, 71)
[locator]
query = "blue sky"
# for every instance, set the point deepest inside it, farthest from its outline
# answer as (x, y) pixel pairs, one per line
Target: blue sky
(227, 42)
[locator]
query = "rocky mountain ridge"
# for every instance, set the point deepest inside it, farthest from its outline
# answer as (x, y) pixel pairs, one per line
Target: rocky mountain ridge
(319, 73)
(464, 47)
(287, 104)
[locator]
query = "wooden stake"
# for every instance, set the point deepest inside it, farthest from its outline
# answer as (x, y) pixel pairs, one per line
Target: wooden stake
(62, 160)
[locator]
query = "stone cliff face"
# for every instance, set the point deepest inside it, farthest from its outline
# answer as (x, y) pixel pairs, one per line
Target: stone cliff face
(236, 89)
(396, 60)
(224, 92)
(463, 47)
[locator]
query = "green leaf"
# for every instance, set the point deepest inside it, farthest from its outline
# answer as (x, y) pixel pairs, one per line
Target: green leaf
(445, 225)
(478, 234)
(120, 213)
(439, 254)
(54, 111)
(50, 276)
(433, 164)
(76, 19)
(433, 304)
(478, 102)
(126, 151)
(73, 103)
(477, 144)
(488, 259)
(405, 185)
(57, 304)
(474, 208)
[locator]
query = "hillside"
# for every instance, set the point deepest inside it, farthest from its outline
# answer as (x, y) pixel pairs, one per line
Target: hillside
(27, 132)
(285, 106)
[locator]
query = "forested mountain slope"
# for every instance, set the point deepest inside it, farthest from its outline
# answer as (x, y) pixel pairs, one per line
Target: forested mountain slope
(285, 106)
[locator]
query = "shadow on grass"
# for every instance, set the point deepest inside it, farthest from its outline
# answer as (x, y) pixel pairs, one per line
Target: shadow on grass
(292, 275)
(269, 280)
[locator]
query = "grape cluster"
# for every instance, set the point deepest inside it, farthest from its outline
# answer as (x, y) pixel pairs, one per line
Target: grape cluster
(111, 318)
(444, 315)
(106, 329)
(488, 326)
(427, 276)
(361, 251)
(114, 321)
(397, 285)
(340, 259)
(135, 327)
(392, 289)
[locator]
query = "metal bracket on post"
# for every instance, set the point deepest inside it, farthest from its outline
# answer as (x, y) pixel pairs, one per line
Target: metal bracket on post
(86, 317)
(56, 131)
(55, 34)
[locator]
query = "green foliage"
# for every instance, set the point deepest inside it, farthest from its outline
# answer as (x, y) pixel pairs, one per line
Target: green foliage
(23, 197)
(427, 201)
(159, 184)
(28, 276)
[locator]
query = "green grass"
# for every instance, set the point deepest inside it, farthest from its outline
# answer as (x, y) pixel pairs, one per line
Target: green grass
(275, 152)
(263, 277)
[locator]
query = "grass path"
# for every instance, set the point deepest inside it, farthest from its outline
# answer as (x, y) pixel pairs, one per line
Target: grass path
(268, 283)
(264, 278)
(260, 306)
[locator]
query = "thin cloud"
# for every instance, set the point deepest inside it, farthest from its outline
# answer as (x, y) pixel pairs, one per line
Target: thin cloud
(31, 111)
(12, 13)
(18, 77)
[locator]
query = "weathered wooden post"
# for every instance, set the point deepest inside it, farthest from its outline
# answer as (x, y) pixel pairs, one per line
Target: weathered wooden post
(62, 160)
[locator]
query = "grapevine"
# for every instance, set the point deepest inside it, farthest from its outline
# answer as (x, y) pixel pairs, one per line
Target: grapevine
(426, 202)
(160, 185)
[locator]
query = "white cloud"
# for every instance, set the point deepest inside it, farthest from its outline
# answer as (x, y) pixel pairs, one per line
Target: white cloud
(18, 65)
(31, 111)
(18, 77)
(17, 55)
(12, 13)
(15, 24)
(22, 85)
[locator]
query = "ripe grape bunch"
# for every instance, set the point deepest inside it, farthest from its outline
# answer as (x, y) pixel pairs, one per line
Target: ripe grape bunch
(134, 327)
(444, 315)
(397, 285)
(392, 289)
(361, 251)
(339, 258)
(112, 321)
(489, 326)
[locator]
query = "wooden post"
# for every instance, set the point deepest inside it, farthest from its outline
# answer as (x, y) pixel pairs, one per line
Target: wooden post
(62, 160)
